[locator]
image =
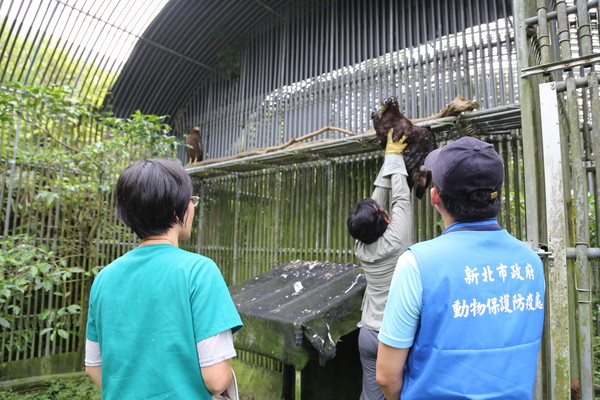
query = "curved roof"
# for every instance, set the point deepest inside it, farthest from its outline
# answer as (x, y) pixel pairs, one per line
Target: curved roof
(179, 49)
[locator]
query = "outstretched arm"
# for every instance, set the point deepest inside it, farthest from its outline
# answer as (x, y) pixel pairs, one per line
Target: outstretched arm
(398, 233)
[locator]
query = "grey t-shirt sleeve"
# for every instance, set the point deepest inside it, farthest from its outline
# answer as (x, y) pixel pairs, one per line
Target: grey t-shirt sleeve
(211, 350)
(93, 358)
(215, 349)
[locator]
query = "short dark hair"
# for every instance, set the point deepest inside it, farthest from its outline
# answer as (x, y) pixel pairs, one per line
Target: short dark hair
(477, 206)
(368, 221)
(152, 196)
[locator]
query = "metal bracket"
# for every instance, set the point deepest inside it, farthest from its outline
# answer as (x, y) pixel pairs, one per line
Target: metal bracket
(584, 61)
(584, 291)
(543, 253)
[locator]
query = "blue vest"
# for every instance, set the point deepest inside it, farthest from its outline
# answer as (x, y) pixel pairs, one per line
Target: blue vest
(481, 319)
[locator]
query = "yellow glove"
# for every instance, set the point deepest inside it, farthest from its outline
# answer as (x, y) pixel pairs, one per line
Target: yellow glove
(395, 147)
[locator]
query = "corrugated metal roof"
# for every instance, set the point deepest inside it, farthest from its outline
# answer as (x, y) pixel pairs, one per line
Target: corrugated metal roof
(184, 44)
(180, 48)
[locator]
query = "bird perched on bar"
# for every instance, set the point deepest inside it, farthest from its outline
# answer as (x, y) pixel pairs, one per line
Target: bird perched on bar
(193, 145)
(420, 142)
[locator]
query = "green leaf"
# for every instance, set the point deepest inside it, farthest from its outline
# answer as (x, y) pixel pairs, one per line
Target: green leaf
(4, 322)
(74, 308)
(45, 331)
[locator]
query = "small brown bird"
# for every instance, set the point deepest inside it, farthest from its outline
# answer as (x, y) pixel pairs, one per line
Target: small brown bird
(420, 140)
(193, 145)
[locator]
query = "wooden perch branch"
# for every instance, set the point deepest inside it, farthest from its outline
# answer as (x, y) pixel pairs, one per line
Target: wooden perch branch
(289, 143)
(455, 107)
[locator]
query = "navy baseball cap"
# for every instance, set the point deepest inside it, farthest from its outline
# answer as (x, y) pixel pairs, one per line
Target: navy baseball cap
(466, 165)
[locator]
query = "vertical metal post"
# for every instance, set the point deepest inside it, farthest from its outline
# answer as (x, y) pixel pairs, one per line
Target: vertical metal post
(583, 294)
(557, 310)
(584, 31)
(200, 218)
(298, 386)
(564, 37)
(529, 125)
(543, 37)
(329, 216)
(236, 232)
(279, 206)
(595, 135)
(11, 181)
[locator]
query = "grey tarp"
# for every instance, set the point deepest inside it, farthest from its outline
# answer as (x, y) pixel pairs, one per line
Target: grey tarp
(299, 310)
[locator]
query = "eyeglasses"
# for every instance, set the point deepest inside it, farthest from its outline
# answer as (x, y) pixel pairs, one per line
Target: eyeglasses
(195, 200)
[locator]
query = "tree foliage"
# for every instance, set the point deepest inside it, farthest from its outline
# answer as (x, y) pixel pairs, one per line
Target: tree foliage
(65, 155)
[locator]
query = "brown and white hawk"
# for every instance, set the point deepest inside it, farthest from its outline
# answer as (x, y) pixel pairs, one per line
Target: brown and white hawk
(420, 141)
(194, 147)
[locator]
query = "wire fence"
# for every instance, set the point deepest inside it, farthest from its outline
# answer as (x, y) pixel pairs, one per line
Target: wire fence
(307, 65)
(332, 64)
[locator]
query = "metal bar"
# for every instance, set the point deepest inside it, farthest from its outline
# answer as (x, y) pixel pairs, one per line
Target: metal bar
(595, 140)
(329, 214)
(236, 231)
(570, 10)
(482, 63)
(427, 91)
(146, 40)
(11, 179)
(543, 36)
(14, 41)
(66, 50)
(529, 130)
(24, 45)
(83, 92)
(564, 36)
(271, 10)
(583, 282)
(566, 64)
(466, 76)
(579, 83)
(31, 57)
(439, 73)
(473, 48)
(557, 309)
(298, 385)
(58, 50)
(517, 188)
(511, 84)
(584, 31)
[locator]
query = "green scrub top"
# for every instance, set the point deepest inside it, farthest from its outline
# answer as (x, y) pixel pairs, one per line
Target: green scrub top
(147, 310)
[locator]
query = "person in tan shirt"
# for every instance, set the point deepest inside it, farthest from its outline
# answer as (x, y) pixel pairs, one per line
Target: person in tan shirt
(380, 239)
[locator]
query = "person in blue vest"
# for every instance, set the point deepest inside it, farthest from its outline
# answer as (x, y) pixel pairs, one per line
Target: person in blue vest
(465, 310)
(380, 239)
(160, 319)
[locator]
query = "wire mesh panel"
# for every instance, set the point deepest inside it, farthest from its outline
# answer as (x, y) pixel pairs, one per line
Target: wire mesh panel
(295, 68)
(253, 222)
(49, 235)
(560, 44)
(331, 63)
